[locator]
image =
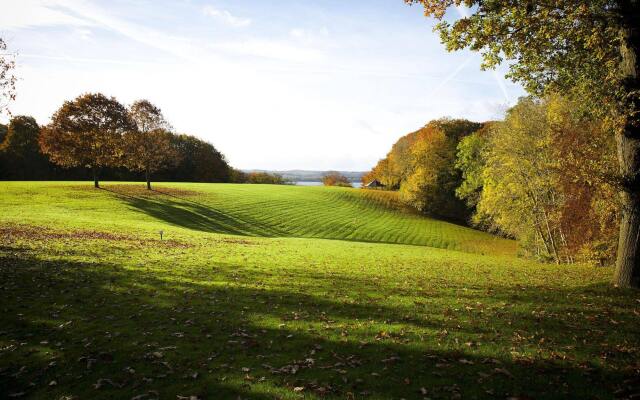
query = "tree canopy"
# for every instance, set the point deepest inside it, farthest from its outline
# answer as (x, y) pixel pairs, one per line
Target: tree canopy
(148, 146)
(87, 132)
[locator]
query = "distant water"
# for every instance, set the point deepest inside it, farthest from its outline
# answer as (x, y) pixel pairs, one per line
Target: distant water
(306, 183)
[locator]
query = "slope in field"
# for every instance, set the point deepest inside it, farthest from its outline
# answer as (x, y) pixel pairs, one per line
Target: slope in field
(251, 210)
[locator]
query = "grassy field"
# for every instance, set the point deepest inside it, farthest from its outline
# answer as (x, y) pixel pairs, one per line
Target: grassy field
(268, 292)
(246, 210)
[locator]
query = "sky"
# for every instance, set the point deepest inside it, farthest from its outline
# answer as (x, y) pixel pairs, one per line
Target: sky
(280, 84)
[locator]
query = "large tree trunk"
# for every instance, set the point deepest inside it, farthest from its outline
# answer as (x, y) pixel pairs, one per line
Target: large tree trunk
(96, 184)
(628, 259)
(148, 176)
(627, 263)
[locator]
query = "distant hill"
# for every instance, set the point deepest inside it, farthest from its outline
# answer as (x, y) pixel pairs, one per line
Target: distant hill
(309, 176)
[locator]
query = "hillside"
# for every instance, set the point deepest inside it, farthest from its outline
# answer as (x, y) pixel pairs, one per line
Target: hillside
(247, 210)
(246, 298)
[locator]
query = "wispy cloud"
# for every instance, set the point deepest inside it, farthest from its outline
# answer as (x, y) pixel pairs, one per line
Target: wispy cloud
(82, 14)
(29, 13)
(465, 12)
(226, 17)
(272, 49)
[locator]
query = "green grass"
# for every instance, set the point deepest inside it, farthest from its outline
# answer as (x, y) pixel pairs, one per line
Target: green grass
(243, 301)
(248, 210)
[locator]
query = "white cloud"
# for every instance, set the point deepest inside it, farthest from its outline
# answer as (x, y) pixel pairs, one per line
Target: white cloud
(29, 13)
(226, 17)
(80, 14)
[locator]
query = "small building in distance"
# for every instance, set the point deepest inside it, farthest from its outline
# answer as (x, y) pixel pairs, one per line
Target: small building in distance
(374, 184)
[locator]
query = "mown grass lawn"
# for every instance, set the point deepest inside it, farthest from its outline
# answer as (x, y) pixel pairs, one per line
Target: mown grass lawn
(265, 292)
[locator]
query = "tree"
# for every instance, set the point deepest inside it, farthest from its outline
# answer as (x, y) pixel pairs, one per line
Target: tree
(470, 161)
(20, 150)
(520, 182)
(87, 132)
(432, 179)
(589, 47)
(334, 178)
(541, 176)
(148, 147)
(265, 178)
(21, 136)
(199, 161)
(7, 78)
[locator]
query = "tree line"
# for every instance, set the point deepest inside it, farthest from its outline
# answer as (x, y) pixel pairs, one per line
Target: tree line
(545, 175)
(97, 135)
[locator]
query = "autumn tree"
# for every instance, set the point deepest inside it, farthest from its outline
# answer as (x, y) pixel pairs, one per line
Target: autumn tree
(399, 162)
(7, 78)
(542, 176)
(87, 132)
(334, 178)
(520, 184)
(432, 179)
(383, 173)
(148, 147)
(586, 46)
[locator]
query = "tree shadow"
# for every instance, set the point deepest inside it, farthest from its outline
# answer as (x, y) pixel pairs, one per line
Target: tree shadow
(100, 330)
(186, 213)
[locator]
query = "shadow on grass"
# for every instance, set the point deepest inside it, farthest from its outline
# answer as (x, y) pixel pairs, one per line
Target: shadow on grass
(102, 331)
(183, 211)
(186, 213)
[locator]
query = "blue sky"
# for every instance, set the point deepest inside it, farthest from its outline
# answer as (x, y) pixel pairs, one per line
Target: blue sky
(273, 85)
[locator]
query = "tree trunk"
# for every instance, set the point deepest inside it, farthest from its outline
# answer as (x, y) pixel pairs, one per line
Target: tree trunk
(628, 258)
(627, 270)
(96, 184)
(148, 176)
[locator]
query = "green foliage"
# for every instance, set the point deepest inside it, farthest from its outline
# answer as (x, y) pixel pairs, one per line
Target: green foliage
(98, 307)
(470, 161)
(557, 44)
